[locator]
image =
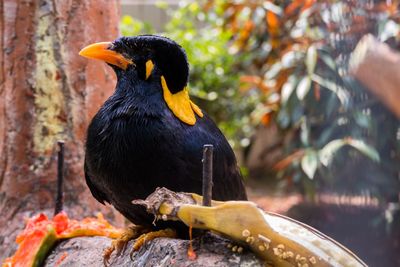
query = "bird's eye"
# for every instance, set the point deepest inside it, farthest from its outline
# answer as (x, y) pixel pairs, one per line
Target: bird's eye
(149, 68)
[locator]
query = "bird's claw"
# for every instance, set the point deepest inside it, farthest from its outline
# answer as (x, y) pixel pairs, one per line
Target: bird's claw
(107, 255)
(120, 243)
(141, 240)
(117, 245)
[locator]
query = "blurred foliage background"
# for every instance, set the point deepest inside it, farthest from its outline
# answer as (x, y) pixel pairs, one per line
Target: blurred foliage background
(285, 63)
(214, 69)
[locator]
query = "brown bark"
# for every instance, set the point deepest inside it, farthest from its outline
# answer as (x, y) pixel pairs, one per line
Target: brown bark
(210, 249)
(377, 66)
(48, 92)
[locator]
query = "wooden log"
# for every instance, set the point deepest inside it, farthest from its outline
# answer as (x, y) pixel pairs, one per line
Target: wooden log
(377, 66)
(211, 250)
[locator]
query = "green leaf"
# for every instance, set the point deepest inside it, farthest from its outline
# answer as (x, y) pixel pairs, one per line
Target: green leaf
(309, 163)
(327, 152)
(161, 4)
(288, 60)
(328, 60)
(311, 59)
(272, 7)
(127, 19)
(194, 7)
(287, 89)
(389, 29)
(367, 150)
(339, 91)
(273, 71)
(283, 118)
(303, 87)
(304, 131)
(363, 120)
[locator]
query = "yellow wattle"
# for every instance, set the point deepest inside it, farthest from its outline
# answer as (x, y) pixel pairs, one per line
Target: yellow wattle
(180, 104)
(196, 109)
(149, 68)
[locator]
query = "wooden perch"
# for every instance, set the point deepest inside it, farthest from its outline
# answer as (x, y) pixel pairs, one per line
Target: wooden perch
(211, 250)
(377, 66)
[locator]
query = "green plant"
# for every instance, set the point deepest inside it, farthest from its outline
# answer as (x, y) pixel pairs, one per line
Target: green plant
(299, 52)
(292, 58)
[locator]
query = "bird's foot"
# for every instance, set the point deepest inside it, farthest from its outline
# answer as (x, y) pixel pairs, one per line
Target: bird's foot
(119, 244)
(141, 240)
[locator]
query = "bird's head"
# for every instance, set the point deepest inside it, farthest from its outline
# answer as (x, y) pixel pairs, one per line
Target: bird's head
(151, 59)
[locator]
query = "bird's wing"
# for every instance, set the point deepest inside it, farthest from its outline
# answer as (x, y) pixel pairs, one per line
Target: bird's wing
(99, 195)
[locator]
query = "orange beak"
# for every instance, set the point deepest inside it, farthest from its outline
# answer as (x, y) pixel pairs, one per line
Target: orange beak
(101, 51)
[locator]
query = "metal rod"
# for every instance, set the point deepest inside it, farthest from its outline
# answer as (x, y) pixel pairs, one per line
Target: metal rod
(207, 174)
(60, 178)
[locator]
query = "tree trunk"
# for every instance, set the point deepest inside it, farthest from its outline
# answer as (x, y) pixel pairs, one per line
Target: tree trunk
(48, 92)
(377, 66)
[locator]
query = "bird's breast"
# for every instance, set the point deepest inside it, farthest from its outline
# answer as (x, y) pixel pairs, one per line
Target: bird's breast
(135, 154)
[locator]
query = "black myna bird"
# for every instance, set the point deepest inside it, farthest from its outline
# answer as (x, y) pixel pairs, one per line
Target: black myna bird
(149, 133)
